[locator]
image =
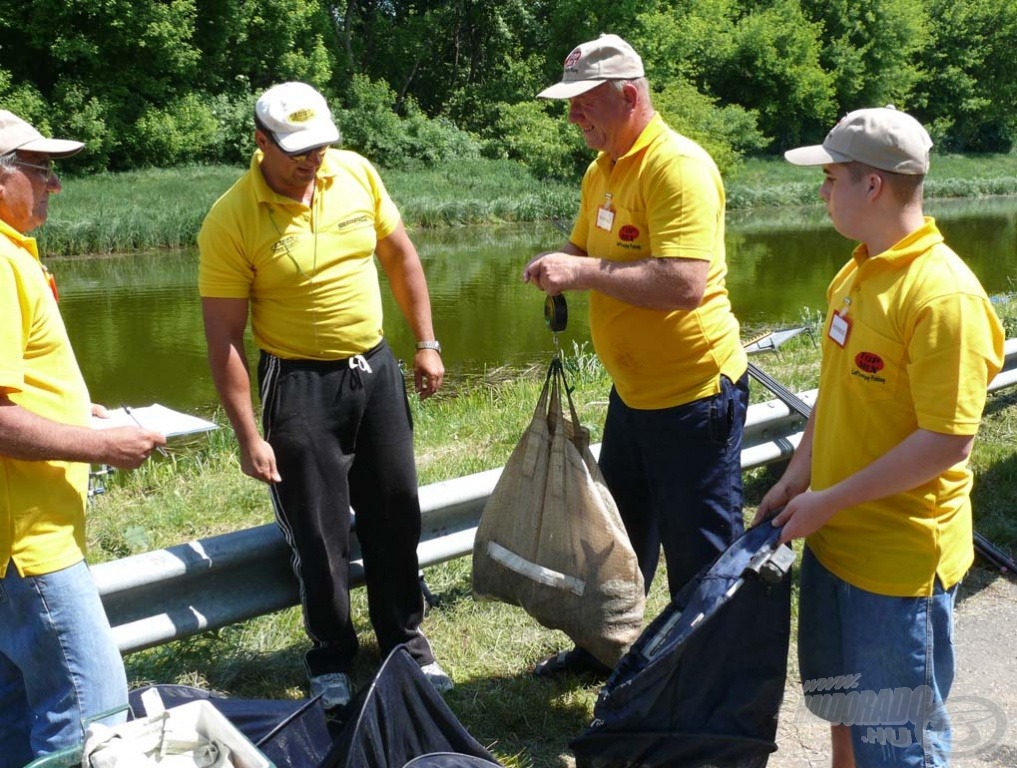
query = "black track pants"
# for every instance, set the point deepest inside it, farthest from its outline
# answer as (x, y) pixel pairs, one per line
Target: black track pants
(342, 437)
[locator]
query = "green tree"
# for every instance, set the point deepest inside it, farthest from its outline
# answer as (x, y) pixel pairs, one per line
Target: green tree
(871, 47)
(247, 45)
(762, 58)
(970, 85)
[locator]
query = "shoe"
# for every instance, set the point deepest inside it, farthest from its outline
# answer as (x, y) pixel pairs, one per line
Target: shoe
(335, 689)
(437, 677)
(574, 662)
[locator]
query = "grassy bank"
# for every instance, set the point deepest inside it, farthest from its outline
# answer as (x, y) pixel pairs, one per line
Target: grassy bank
(156, 208)
(489, 648)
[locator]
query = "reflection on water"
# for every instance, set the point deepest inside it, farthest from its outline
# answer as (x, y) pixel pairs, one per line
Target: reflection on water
(135, 321)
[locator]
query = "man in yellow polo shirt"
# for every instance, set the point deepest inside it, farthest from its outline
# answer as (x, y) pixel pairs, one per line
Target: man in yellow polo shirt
(293, 242)
(880, 484)
(59, 665)
(649, 246)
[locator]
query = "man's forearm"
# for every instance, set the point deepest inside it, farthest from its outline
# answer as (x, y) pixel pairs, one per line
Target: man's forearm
(232, 381)
(26, 436)
(662, 284)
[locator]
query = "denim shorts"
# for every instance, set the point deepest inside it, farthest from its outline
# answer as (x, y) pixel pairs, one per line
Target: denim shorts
(881, 665)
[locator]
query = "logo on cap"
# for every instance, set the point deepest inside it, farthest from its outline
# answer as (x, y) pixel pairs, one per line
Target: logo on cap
(573, 58)
(301, 116)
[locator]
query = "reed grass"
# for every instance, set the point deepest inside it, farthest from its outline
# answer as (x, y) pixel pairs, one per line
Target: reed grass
(163, 208)
(488, 648)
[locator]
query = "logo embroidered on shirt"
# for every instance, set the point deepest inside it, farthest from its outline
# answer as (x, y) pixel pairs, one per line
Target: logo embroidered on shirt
(628, 233)
(869, 362)
(351, 221)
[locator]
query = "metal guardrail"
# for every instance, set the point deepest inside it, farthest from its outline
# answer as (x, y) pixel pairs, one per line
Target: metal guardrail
(173, 593)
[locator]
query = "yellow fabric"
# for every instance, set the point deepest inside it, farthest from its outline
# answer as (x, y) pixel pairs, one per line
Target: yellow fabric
(308, 272)
(668, 202)
(923, 345)
(42, 503)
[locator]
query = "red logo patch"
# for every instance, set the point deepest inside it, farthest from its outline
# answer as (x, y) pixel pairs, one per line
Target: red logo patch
(573, 58)
(869, 362)
(628, 233)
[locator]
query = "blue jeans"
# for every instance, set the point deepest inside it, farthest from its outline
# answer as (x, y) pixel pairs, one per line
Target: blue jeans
(59, 666)
(676, 476)
(881, 665)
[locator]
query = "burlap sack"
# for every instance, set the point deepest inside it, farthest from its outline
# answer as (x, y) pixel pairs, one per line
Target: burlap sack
(551, 540)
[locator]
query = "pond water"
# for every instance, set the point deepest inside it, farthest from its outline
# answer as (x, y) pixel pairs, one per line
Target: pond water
(135, 321)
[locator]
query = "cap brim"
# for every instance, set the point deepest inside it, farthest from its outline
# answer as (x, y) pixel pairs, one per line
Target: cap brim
(569, 90)
(308, 138)
(52, 147)
(814, 155)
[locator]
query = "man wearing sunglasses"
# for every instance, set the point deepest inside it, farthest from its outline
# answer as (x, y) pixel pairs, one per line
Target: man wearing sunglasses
(293, 243)
(59, 664)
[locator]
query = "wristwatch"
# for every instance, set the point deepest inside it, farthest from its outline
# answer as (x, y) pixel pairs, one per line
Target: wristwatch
(435, 345)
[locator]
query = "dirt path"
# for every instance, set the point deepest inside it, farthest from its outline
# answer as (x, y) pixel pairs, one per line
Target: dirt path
(983, 703)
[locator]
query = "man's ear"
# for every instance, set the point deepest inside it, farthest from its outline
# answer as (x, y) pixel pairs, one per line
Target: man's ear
(873, 185)
(631, 94)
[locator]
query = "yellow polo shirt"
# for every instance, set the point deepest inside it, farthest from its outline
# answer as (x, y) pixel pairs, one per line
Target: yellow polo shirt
(42, 503)
(308, 272)
(668, 201)
(923, 344)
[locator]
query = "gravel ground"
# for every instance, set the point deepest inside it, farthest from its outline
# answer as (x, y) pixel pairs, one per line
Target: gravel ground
(983, 703)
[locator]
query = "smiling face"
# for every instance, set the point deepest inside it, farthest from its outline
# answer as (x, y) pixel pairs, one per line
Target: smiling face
(25, 191)
(604, 115)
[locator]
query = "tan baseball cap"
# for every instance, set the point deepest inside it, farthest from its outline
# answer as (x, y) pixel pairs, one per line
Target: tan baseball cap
(590, 64)
(297, 116)
(16, 134)
(882, 137)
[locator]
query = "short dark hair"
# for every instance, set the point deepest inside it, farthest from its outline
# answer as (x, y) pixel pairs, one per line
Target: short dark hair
(905, 187)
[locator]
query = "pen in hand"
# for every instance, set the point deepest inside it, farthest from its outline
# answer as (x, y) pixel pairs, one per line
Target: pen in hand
(129, 412)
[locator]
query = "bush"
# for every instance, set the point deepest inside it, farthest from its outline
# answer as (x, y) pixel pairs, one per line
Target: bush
(547, 145)
(185, 131)
(84, 118)
(727, 133)
(25, 101)
(370, 125)
(234, 117)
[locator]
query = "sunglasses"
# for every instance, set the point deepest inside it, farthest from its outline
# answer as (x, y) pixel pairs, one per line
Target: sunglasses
(44, 170)
(297, 157)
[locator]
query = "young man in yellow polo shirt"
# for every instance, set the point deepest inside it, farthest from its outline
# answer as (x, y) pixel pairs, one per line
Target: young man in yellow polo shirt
(648, 244)
(294, 243)
(880, 484)
(59, 665)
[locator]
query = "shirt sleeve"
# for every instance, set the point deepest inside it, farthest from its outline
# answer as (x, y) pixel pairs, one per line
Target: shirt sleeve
(685, 209)
(956, 348)
(224, 270)
(386, 214)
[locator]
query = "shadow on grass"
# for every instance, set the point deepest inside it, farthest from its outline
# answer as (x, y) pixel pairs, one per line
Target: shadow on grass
(525, 721)
(224, 662)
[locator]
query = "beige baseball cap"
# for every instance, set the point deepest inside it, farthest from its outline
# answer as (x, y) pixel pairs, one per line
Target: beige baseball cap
(882, 137)
(590, 64)
(297, 116)
(16, 134)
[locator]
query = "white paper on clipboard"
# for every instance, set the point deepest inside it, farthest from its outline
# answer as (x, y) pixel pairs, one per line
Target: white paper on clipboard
(157, 418)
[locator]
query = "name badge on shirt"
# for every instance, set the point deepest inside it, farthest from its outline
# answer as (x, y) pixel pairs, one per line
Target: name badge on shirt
(605, 218)
(840, 327)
